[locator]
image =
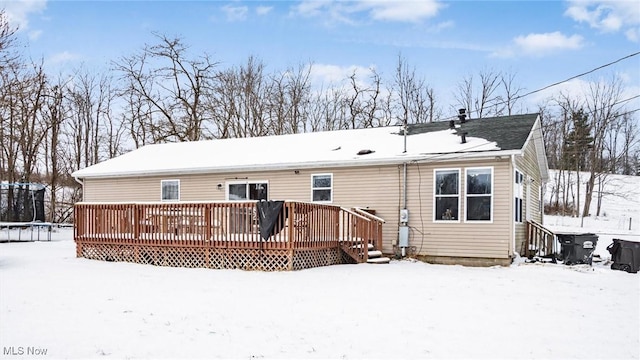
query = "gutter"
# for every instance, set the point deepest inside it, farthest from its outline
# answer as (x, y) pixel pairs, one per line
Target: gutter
(309, 165)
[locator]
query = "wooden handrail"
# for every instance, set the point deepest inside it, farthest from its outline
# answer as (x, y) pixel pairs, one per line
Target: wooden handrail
(540, 241)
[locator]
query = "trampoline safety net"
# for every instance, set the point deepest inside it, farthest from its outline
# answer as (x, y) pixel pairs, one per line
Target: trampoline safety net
(21, 202)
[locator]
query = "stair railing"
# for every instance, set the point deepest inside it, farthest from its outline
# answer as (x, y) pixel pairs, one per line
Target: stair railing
(540, 240)
(376, 223)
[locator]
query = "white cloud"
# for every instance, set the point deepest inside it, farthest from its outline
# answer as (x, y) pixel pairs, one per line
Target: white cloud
(548, 42)
(541, 44)
(35, 34)
(442, 26)
(235, 13)
(263, 10)
(18, 12)
(325, 76)
(334, 74)
(378, 10)
(63, 57)
(391, 10)
(573, 89)
(633, 34)
(606, 16)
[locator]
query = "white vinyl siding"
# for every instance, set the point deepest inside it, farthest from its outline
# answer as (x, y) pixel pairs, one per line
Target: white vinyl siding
(170, 190)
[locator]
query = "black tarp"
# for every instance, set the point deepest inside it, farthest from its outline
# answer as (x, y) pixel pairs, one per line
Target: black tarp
(21, 202)
(271, 217)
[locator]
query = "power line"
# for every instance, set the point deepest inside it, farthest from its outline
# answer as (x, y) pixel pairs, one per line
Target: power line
(553, 123)
(557, 83)
(579, 75)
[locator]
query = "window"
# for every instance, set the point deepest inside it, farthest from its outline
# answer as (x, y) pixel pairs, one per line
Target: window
(170, 190)
(257, 190)
(446, 195)
(322, 187)
(479, 194)
(518, 190)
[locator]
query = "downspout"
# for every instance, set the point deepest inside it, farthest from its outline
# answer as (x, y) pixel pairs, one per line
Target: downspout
(403, 229)
(513, 221)
(81, 184)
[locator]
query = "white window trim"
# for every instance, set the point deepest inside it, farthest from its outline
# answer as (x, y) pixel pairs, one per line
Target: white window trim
(459, 195)
(466, 195)
(313, 188)
(162, 185)
(246, 182)
(527, 205)
(518, 194)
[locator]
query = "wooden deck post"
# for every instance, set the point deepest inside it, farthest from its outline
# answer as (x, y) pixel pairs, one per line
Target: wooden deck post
(291, 231)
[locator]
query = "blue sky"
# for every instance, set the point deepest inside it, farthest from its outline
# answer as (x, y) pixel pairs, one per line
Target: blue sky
(541, 42)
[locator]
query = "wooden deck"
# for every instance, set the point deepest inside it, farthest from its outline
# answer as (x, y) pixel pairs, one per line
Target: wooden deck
(224, 235)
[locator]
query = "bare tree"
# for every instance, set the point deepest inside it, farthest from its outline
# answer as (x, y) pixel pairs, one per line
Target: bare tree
(511, 91)
(327, 110)
(482, 101)
(415, 99)
(239, 100)
(363, 101)
(8, 55)
(289, 100)
(170, 88)
(603, 103)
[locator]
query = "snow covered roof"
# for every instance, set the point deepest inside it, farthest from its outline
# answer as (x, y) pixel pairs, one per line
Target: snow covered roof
(384, 145)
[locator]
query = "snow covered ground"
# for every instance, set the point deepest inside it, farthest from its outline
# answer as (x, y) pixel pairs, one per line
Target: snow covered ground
(68, 307)
(620, 213)
(78, 308)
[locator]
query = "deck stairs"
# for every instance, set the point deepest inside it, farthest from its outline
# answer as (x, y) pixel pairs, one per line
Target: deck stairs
(539, 242)
(373, 256)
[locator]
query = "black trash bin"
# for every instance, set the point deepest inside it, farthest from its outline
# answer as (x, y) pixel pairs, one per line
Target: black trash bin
(577, 248)
(625, 255)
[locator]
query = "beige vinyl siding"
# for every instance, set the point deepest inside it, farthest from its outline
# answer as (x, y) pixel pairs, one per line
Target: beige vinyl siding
(376, 187)
(528, 165)
(463, 238)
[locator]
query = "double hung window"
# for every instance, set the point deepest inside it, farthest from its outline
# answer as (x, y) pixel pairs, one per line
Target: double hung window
(479, 194)
(322, 187)
(447, 195)
(519, 193)
(170, 190)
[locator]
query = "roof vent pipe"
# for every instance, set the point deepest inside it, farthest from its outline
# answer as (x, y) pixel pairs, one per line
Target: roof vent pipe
(462, 115)
(452, 124)
(463, 135)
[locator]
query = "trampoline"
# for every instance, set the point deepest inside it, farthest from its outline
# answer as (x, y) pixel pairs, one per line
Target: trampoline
(22, 212)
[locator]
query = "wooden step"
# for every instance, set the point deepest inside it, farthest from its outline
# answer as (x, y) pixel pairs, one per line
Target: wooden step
(374, 253)
(379, 260)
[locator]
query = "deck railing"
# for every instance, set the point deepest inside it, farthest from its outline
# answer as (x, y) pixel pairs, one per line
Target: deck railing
(224, 225)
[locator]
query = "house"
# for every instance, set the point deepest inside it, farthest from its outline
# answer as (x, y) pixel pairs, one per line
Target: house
(456, 192)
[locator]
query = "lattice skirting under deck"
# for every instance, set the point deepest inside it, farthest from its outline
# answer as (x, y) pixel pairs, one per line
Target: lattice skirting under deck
(204, 257)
